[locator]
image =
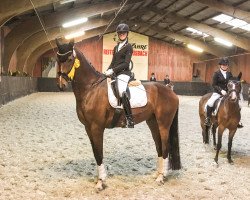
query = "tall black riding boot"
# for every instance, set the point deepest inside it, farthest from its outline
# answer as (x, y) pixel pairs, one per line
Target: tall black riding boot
(127, 109)
(207, 121)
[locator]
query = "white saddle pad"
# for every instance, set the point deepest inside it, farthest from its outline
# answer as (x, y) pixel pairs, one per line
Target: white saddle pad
(138, 96)
(214, 113)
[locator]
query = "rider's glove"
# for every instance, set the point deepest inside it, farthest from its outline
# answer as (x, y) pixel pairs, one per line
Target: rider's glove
(223, 92)
(109, 72)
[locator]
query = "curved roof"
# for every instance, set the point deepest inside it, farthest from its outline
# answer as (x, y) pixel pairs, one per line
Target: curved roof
(166, 20)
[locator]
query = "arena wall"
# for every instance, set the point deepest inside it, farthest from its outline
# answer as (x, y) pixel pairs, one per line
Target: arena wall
(12, 88)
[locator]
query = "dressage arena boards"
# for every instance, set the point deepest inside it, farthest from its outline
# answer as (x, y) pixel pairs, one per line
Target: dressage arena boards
(46, 154)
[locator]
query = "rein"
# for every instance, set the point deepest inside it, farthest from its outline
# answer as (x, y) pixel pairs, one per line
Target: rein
(98, 81)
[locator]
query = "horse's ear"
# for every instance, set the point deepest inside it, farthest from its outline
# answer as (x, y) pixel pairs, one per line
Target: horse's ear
(72, 42)
(57, 42)
(239, 76)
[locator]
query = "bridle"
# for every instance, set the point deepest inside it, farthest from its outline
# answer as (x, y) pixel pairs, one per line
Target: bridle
(233, 90)
(65, 75)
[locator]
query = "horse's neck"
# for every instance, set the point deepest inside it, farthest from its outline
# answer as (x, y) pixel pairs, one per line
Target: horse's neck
(234, 106)
(85, 75)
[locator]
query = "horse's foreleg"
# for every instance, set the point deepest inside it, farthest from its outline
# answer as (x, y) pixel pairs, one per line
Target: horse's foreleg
(220, 132)
(101, 177)
(230, 142)
(205, 132)
(161, 169)
(214, 127)
(207, 128)
(95, 134)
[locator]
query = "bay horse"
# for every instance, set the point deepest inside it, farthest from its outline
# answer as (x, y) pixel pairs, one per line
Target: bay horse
(228, 117)
(95, 113)
(248, 97)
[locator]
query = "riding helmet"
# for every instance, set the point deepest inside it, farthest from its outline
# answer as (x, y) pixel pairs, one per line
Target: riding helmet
(224, 61)
(122, 28)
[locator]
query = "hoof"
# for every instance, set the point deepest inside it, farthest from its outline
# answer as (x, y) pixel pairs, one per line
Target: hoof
(100, 186)
(216, 160)
(160, 179)
(230, 161)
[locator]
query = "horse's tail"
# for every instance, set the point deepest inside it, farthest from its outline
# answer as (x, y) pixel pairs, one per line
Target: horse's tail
(174, 151)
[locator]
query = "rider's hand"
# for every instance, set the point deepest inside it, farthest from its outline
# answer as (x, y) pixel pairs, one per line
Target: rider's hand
(223, 92)
(109, 72)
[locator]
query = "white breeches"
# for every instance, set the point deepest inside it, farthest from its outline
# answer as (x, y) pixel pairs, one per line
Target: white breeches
(122, 83)
(212, 99)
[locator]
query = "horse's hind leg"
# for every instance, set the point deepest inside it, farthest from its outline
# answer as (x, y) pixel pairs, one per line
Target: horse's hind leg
(95, 134)
(220, 132)
(161, 164)
(230, 142)
(153, 126)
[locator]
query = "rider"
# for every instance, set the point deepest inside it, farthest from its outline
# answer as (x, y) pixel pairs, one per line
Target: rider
(120, 68)
(220, 80)
(166, 80)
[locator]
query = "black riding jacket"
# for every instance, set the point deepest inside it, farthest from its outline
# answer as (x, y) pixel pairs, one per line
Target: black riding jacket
(219, 82)
(152, 79)
(166, 81)
(121, 59)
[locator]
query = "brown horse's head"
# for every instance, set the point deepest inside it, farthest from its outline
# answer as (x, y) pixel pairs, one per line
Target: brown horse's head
(65, 59)
(234, 89)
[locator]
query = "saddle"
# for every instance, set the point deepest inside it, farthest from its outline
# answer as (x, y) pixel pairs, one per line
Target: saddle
(136, 95)
(114, 86)
(135, 91)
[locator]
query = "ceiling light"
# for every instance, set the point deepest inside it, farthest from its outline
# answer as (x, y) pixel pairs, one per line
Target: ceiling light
(246, 27)
(195, 48)
(236, 23)
(222, 18)
(224, 42)
(194, 31)
(66, 1)
(75, 22)
(74, 35)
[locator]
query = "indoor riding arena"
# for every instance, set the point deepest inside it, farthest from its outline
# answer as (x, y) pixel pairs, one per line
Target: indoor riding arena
(56, 61)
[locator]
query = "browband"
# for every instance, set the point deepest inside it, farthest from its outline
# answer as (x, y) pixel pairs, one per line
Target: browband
(63, 54)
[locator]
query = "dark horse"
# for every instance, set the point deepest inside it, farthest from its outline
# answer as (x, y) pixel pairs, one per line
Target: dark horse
(95, 113)
(228, 117)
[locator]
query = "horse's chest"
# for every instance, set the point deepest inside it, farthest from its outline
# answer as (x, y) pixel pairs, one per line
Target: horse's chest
(80, 113)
